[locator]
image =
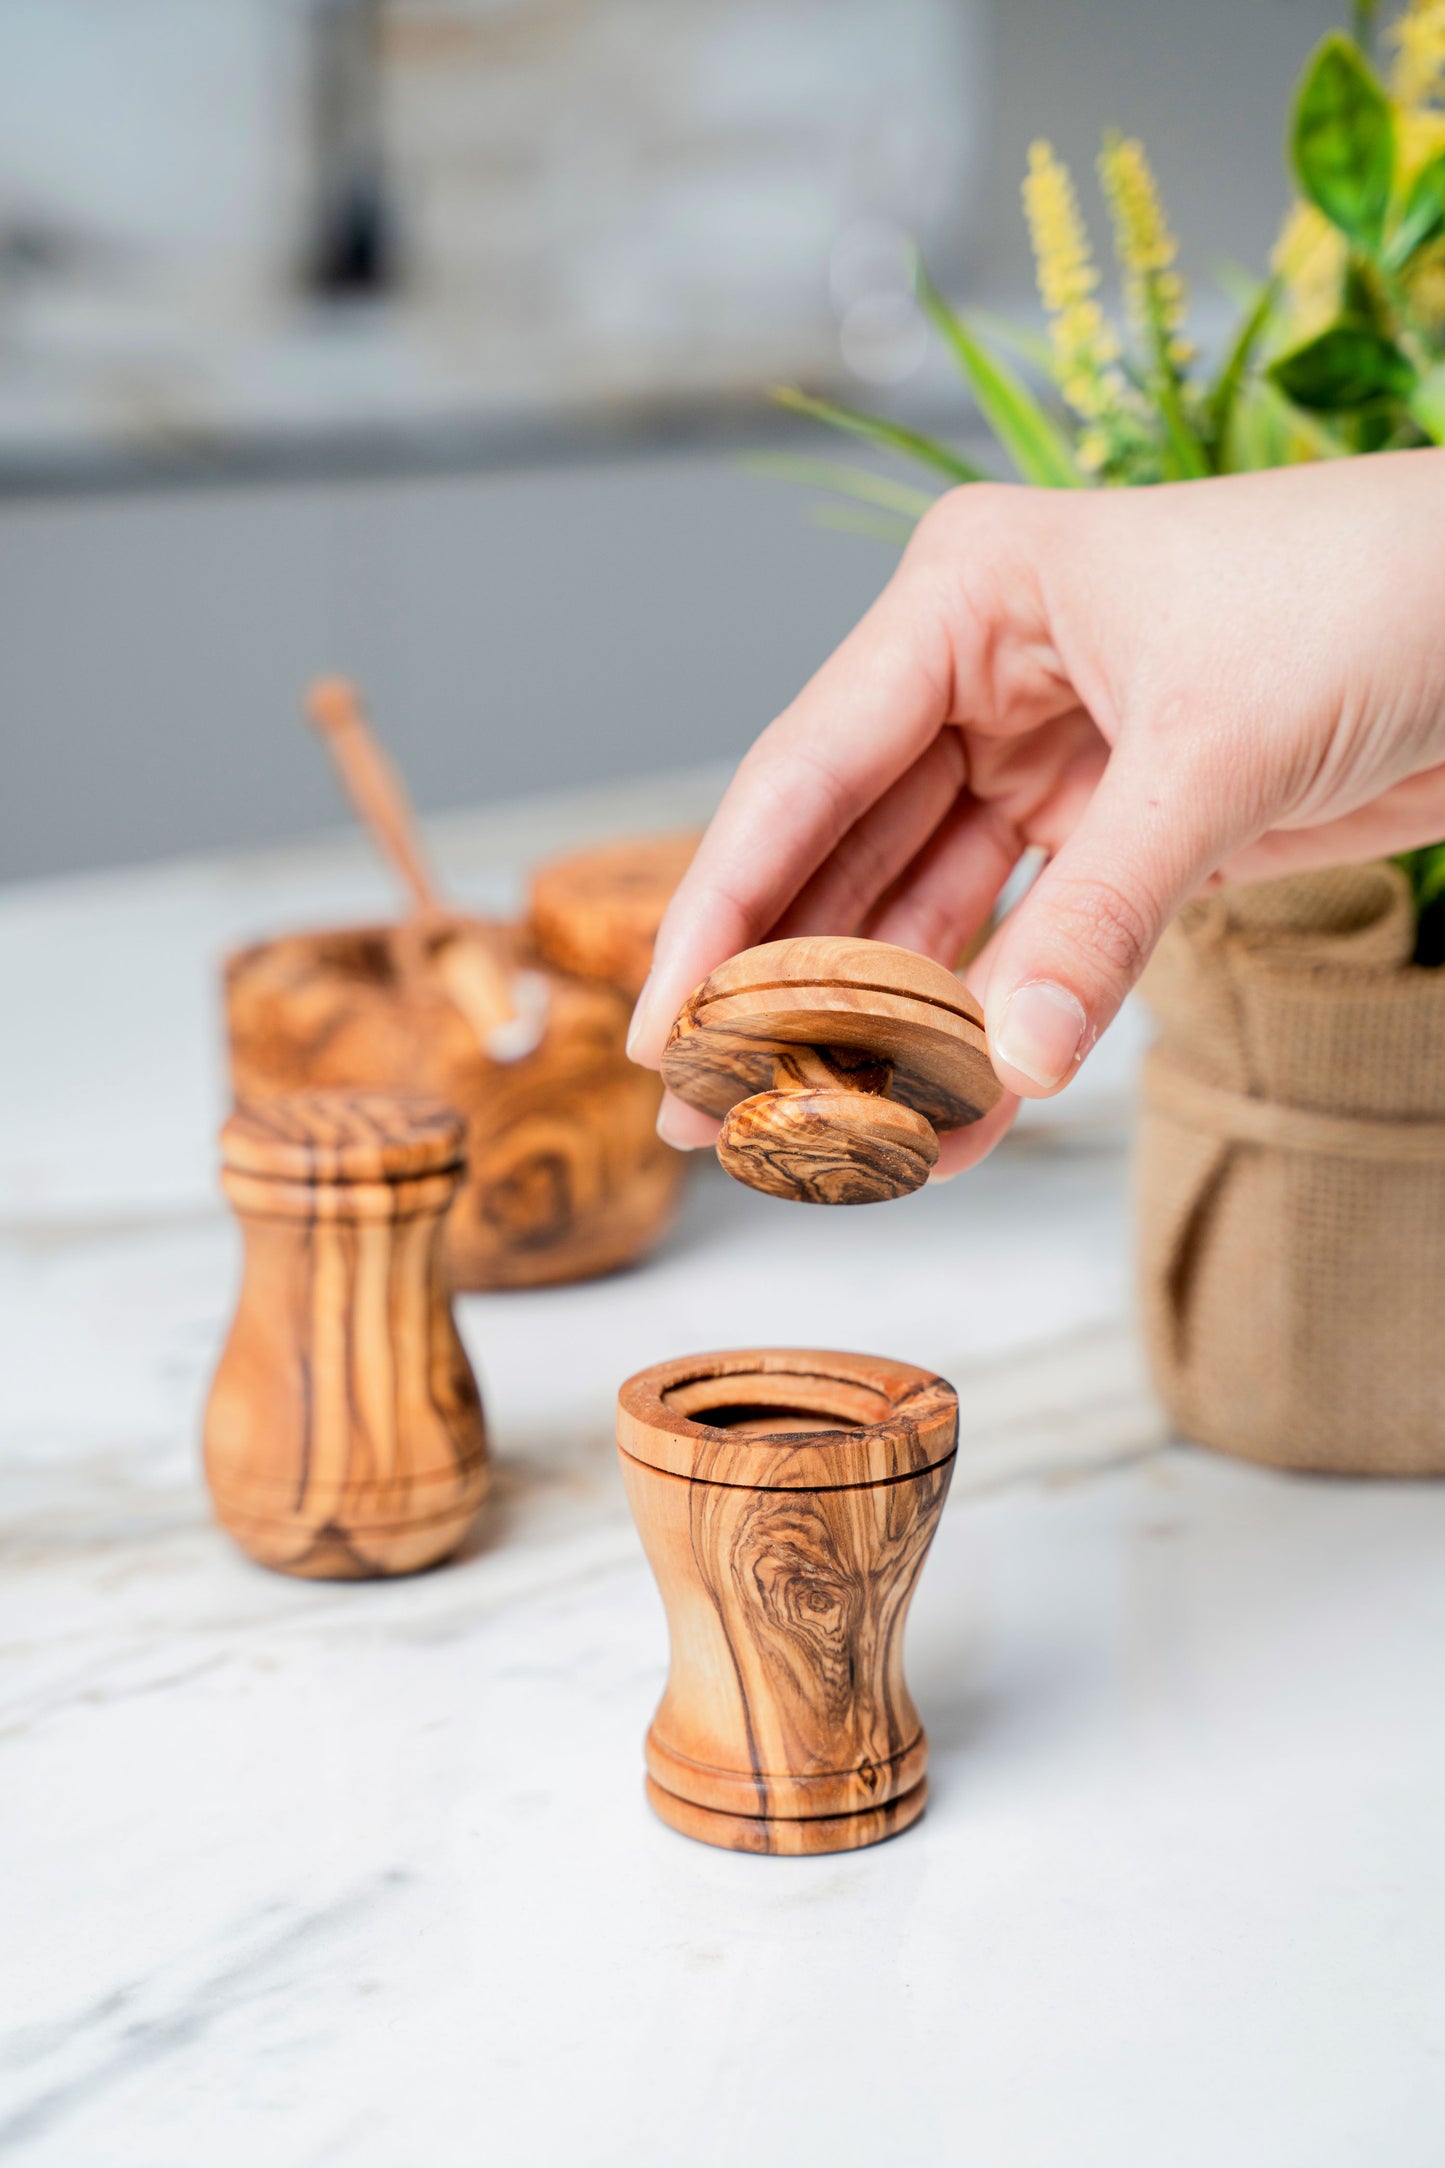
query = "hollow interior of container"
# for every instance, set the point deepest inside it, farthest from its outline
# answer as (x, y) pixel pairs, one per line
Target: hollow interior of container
(772, 1403)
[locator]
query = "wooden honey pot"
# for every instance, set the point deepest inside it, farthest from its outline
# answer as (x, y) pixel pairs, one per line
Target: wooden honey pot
(522, 1028)
(344, 1434)
(786, 1500)
(567, 1176)
(834, 1064)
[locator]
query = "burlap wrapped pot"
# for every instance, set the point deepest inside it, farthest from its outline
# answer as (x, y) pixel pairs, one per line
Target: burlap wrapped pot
(1291, 1177)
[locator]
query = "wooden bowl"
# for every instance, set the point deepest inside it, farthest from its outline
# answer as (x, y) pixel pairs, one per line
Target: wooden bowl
(566, 1175)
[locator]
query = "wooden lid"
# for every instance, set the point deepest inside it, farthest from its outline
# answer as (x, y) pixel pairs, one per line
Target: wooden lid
(881, 1001)
(787, 1418)
(597, 912)
(343, 1136)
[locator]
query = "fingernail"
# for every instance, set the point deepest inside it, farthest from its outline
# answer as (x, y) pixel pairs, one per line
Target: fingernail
(634, 1029)
(671, 1127)
(941, 1175)
(1042, 1033)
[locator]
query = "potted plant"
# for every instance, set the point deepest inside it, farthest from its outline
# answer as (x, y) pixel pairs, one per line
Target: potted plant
(1291, 1177)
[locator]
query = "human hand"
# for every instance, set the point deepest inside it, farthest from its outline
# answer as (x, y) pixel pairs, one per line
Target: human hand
(1155, 687)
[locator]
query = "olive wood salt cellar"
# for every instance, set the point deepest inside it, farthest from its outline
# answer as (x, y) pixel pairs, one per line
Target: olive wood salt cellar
(834, 1063)
(786, 1500)
(344, 1433)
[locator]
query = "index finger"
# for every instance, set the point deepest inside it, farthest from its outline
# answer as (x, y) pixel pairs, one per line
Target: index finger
(853, 730)
(901, 675)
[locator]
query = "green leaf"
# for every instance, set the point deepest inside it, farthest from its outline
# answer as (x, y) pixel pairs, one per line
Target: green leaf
(1225, 390)
(1427, 404)
(861, 483)
(856, 519)
(1343, 142)
(1029, 346)
(1264, 430)
(889, 436)
(1036, 445)
(1422, 217)
(1236, 284)
(1430, 884)
(1362, 297)
(1346, 367)
(1425, 869)
(1185, 459)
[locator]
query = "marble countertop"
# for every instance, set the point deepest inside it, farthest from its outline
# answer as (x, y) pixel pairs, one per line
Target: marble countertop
(316, 1874)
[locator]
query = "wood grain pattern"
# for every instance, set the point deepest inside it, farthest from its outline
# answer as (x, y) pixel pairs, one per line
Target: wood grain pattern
(827, 1147)
(344, 1434)
(566, 1174)
(834, 1064)
(597, 912)
(375, 789)
(786, 1500)
(805, 1838)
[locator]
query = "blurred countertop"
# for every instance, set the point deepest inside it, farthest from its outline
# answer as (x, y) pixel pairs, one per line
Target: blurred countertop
(312, 1872)
(103, 394)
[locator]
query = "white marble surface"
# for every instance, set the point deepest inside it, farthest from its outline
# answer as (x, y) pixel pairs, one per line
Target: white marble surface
(311, 1874)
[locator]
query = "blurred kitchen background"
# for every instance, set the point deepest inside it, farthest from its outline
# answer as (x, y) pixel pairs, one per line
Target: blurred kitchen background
(422, 339)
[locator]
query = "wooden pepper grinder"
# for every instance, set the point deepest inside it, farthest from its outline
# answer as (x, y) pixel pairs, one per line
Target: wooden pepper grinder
(344, 1433)
(786, 1500)
(835, 1064)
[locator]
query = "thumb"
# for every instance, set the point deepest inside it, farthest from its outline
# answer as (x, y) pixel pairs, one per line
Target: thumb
(1066, 957)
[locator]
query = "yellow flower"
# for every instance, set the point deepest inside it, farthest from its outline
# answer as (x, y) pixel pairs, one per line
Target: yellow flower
(1419, 41)
(1309, 258)
(1419, 137)
(1142, 240)
(1062, 255)
(1084, 342)
(1093, 449)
